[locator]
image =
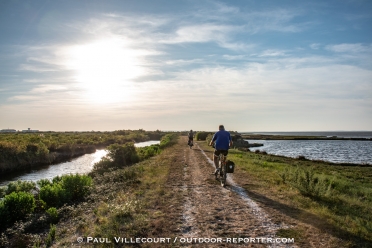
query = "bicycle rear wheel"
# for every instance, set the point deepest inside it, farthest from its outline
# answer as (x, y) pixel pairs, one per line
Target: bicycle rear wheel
(224, 175)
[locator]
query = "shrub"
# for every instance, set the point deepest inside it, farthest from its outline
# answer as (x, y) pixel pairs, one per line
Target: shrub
(305, 180)
(53, 214)
(202, 135)
(43, 182)
(122, 155)
(301, 157)
(3, 191)
(16, 206)
(102, 166)
(52, 195)
(76, 186)
(168, 140)
(20, 186)
(65, 189)
(147, 152)
(117, 156)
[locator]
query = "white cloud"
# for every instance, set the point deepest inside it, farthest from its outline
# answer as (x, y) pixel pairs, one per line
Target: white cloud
(37, 68)
(278, 20)
(272, 53)
(201, 33)
(182, 62)
(46, 88)
(350, 48)
(234, 57)
(315, 46)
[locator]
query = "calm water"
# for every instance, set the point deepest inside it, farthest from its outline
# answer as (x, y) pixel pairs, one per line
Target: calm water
(147, 143)
(81, 165)
(337, 151)
(341, 134)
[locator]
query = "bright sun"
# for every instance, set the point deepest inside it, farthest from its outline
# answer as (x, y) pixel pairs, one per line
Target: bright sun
(105, 70)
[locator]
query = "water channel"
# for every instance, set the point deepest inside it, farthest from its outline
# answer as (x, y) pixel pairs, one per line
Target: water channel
(80, 165)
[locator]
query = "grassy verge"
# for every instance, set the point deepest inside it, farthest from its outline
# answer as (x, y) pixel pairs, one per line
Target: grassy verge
(128, 202)
(333, 198)
(124, 200)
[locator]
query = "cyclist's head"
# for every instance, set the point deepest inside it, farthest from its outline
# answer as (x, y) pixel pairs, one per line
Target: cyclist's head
(221, 127)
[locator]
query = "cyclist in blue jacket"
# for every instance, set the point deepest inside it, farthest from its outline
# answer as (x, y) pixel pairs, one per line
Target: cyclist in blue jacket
(222, 142)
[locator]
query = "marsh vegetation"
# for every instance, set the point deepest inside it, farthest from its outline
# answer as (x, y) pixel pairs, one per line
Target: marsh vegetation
(28, 208)
(21, 151)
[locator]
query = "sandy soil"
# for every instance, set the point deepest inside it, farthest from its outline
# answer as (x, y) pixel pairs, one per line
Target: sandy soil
(211, 211)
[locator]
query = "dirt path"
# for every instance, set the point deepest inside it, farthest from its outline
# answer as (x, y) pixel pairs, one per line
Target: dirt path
(222, 215)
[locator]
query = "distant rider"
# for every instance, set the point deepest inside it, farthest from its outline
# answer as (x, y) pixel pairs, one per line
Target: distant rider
(223, 141)
(191, 137)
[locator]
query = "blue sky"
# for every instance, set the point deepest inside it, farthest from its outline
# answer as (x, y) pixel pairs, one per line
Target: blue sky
(180, 65)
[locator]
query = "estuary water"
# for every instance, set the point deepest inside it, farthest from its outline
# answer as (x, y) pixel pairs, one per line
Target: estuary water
(336, 151)
(80, 165)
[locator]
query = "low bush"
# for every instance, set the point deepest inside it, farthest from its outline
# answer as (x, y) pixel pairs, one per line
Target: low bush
(168, 140)
(20, 186)
(147, 152)
(122, 155)
(75, 186)
(118, 156)
(16, 206)
(307, 182)
(52, 195)
(53, 214)
(43, 182)
(65, 189)
(102, 166)
(202, 135)
(3, 190)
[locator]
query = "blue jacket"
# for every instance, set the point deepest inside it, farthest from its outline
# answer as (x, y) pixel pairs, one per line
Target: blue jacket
(222, 140)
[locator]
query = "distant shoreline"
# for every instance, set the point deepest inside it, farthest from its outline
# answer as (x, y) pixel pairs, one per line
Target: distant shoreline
(357, 135)
(279, 137)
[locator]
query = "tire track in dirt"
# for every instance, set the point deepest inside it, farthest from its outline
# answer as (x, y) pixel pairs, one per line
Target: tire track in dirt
(211, 211)
(267, 226)
(188, 228)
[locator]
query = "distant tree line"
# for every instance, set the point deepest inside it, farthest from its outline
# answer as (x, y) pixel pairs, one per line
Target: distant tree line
(23, 151)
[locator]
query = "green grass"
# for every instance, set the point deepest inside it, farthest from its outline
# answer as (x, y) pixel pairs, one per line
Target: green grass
(125, 202)
(339, 195)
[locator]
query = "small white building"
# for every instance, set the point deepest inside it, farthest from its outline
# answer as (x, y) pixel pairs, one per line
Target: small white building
(30, 131)
(8, 131)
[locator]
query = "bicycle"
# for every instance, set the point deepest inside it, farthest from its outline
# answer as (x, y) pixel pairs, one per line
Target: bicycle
(222, 175)
(190, 143)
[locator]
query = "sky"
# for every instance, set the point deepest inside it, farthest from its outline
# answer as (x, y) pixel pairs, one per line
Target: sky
(109, 65)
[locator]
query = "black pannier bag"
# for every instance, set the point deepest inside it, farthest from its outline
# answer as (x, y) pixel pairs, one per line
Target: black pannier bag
(230, 166)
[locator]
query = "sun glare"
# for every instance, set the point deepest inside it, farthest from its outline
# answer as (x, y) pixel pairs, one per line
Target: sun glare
(105, 70)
